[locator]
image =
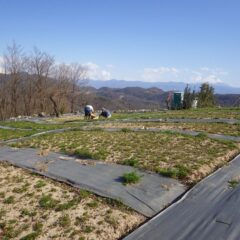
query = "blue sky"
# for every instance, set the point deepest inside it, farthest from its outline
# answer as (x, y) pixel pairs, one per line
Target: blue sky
(148, 40)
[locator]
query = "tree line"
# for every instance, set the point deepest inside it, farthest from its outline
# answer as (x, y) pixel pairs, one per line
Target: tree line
(202, 99)
(205, 96)
(34, 83)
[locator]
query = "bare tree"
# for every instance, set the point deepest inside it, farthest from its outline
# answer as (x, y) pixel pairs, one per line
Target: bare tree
(59, 89)
(14, 62)
(66, 89)
(33, 84)
(41, 66)
(28, 89)
(77, 77)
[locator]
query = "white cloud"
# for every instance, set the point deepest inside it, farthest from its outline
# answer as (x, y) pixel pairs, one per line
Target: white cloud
(210, 78)
(95, 72)
(166, 74)
(162, 74)
(159, 74)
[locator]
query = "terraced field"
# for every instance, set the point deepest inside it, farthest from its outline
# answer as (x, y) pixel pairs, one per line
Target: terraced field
(33, 207)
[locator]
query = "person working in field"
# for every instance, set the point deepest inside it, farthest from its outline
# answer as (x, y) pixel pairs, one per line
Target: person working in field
(105, 113)
(89, 112)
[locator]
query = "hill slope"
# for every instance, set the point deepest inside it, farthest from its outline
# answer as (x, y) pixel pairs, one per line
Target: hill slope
(140, 98)
(220, 88)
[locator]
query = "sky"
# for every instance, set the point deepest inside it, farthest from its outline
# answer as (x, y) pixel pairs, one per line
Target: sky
(148, 40)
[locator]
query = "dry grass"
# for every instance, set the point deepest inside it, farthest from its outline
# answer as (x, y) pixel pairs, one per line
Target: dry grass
(218, 128)
(174, 155)
(232, 113)
(32, 207)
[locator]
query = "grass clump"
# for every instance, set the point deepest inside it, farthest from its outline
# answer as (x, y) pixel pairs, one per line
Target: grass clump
(84, 153)
(37, 229)
(84, 194)
(131, 162)
(88, 229)
(64, 221)
(131, 178)
(47, 202)
(233, 183)
(92, 204)
(26, 212)
(101, 154)
(126, 130)
(21, 189)
(68, 205)
(179, 171)
(202, 135)
(30, 236)
(40, 184)
(9, 200)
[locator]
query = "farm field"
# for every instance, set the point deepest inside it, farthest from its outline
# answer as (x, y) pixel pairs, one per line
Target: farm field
(216, 113)
(6, 134)
(33, 207)
(174, 155)
(215, 128)
(40, 203)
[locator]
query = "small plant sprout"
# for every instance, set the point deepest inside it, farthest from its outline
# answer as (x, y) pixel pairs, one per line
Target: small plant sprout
(234, 182)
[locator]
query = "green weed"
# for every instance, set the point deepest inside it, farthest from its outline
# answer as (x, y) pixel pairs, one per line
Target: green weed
(40, 184)
(233, 183)
(47, 202)
(131, 162)
(9, 200)
(131, 178)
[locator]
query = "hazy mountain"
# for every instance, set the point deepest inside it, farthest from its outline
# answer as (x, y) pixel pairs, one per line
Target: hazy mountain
(141, 98)
(126, 98)
(220, 88)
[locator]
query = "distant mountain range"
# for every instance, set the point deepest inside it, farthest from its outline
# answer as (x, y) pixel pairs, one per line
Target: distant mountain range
(125, 98)
(140, 98)
(220, 88)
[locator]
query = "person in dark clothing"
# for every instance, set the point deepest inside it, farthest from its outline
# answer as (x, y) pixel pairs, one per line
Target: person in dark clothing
(105, 113)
